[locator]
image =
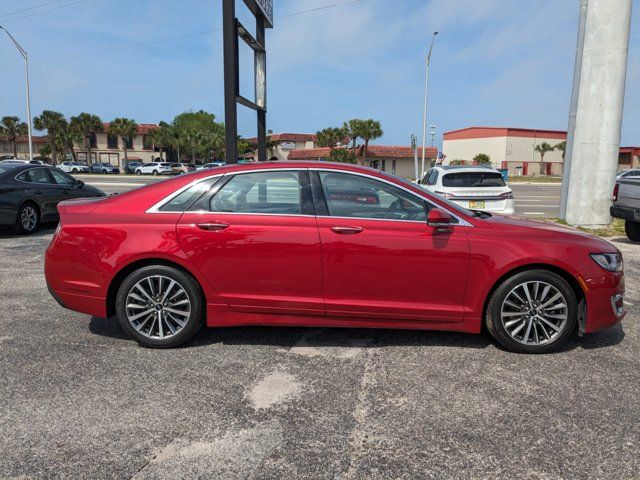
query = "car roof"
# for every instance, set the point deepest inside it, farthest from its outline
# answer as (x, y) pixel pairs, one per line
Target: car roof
(466, 168)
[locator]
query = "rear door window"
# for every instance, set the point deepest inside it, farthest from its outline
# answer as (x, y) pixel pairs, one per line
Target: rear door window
(276, 193)
(473, 180)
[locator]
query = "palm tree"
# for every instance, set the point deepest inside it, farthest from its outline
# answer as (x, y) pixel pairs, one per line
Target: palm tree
(369, 130)
(482, 159)
(352, 129)
(125, 128)
(52, 122)
(163, 137)
(11, 128)
(562, 146)
(65, 139)
(85, 125)
(542, 149)
(330, 137)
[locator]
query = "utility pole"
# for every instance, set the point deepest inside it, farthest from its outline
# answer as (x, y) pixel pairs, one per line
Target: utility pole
(23, 52)
(575, 89)
(426, 97)
(596, 141)
(414, 147)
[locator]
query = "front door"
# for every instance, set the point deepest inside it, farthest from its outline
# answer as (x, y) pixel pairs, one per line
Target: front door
(381, 260)
(256, 241)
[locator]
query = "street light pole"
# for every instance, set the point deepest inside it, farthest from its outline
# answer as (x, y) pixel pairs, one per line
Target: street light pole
(426, 96)
(24, 54)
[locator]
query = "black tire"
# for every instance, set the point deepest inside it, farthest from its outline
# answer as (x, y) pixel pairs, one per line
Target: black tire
(28, 209)
(193, 292)
(138, 172)
(155, 172)
(75, 170)
(632, 229)
(493, 315)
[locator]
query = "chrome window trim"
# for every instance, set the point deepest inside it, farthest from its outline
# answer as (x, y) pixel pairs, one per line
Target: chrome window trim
(155, 208)
(461, 221)
(32, 183)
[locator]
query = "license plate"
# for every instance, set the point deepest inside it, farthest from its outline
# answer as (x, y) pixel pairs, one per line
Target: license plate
(476, 204)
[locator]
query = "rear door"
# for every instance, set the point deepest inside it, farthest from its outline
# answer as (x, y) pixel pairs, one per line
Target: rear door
(67, 185)
(41, 186)
(255, 238)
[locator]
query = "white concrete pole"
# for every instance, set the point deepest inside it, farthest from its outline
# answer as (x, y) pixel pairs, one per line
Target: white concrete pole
(596, 141)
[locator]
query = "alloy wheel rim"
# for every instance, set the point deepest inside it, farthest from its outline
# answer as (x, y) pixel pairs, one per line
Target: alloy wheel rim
(158, 307)
(28, 218)
(534, 313)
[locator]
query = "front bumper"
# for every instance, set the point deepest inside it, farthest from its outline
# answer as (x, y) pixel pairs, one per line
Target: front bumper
(605, 301)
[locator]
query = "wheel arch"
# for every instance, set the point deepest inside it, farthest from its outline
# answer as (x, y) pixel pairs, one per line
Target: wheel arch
(564, 274)
(119, 277)
(32, 201)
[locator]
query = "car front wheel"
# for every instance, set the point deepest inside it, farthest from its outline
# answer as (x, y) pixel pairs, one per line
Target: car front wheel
(160, 306)
(75, 170)
(138, 172)
(155, 172)
(27, 220)
(632, 229)
(534, 311)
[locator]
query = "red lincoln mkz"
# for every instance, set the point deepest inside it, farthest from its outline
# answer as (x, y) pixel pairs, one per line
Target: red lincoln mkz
(325, 244)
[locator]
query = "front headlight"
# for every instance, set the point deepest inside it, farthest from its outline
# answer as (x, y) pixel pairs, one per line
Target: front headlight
(612, 262)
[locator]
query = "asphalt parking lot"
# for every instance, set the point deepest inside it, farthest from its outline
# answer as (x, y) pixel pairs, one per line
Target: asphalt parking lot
(79, 400)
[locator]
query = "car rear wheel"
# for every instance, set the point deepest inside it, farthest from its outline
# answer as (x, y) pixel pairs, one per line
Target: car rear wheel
(532, 312)
(28, 219)
(632, 229)
(160, 306)
(75, 170)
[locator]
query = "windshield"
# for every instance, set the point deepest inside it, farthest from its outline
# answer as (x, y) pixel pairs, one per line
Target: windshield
(473, 179)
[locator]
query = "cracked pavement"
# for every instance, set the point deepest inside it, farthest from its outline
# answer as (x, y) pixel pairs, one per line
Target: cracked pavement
(80, 400)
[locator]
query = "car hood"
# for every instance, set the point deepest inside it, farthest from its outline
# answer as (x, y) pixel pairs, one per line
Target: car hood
(547, 231)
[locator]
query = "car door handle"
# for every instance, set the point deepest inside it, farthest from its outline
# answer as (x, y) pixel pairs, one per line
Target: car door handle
(212, 227)
(347, 230)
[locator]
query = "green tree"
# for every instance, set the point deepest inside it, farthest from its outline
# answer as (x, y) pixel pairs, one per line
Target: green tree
(369, 130)
(85, 125)
(51, 122)
(342, 155)
(163, 138)
(562, 146)
(125, 128)
(65, 139)
(330, 137)
(542, 149)
(11, 128)
(198, 133)
(45, 150)
(482, 159)
(353, 129)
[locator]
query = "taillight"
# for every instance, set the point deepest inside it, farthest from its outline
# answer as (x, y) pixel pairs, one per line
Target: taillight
(506, 196)
(614, 197)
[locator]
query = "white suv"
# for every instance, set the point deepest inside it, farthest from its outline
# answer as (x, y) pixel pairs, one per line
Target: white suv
(475, 188)
(154, 168)
(73, 167)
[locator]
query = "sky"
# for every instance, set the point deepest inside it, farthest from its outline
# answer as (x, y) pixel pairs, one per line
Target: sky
(495, 62)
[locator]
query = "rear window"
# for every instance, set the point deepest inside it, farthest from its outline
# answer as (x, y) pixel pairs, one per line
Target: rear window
(473, 179)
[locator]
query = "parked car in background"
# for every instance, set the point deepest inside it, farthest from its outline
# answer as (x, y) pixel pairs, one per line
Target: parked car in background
(626, 205)
(475, 188)
(74, 167)
(154, 168)
(180, 168)
(29, 194)
(131, 167)
(327, 245)
(102, 167)
(211, 165)
(633, 172)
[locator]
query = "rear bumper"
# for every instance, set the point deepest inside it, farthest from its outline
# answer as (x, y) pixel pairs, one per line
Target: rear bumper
(626, 213)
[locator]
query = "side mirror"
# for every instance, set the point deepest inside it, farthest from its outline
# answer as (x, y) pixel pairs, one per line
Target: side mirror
(79, 183)
(439, 219)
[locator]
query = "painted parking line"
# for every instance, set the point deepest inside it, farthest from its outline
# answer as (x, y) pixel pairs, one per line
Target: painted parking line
(533, 213)
(536, 206)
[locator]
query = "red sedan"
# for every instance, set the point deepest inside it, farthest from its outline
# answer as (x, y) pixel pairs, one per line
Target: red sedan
(325, 244)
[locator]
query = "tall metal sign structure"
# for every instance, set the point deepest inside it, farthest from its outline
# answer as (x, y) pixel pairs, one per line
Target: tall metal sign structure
(232, 30)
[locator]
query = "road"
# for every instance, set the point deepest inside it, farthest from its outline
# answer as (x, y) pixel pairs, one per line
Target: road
(80, 400)
(532, 200)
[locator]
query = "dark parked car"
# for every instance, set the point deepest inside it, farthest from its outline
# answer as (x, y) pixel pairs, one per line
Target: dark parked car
(29, 194)
(103, 168)
(131, 167)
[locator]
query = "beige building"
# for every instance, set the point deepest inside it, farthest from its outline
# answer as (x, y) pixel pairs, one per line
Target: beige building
(283, 143)
(397, 160)
(110, 148)
(22, 146)
(510, 148)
